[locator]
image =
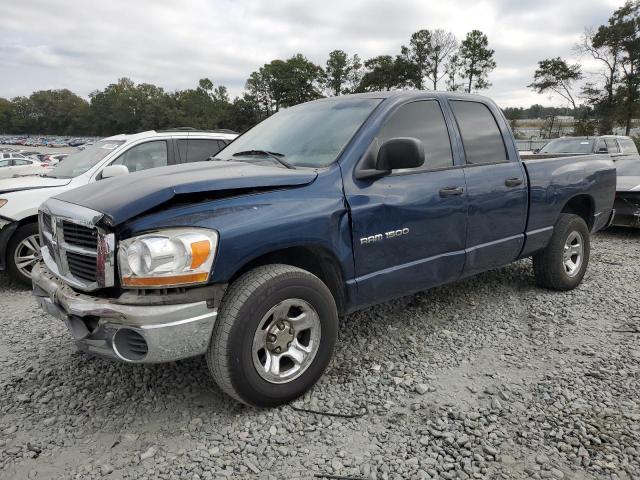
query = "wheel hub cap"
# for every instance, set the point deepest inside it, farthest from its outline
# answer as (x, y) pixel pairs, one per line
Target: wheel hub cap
(573, 253)
(279, 337)
(27, 254)
(286, 341)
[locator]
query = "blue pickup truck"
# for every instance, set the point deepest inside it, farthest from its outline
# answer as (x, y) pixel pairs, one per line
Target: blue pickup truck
(324, 208)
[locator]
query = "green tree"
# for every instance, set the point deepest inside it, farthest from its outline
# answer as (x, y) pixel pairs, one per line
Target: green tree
(284, 83)
(386, 73)
(341, 73)
(476, 61)
(428, 51)
(557, 76)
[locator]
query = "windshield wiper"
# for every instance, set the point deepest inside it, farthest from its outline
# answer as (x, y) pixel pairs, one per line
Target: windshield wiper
(272, 155)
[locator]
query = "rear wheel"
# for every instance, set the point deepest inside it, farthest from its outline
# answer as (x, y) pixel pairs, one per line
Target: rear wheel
(562, 265)
(274, 335)
(23, 252)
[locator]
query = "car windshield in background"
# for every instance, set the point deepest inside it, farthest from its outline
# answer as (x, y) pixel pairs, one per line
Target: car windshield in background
(628, 168)
(80, 162)
(569, 145)
(308, 135)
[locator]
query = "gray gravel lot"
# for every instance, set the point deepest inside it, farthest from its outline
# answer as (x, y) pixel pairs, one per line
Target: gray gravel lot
(486, 378)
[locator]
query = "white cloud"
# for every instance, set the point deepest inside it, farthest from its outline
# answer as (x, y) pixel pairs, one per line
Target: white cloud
(83, 47)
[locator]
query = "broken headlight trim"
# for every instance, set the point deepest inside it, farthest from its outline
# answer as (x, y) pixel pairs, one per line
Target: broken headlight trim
(167, 258)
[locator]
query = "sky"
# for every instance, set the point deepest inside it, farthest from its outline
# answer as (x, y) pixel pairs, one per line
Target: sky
(84, 46)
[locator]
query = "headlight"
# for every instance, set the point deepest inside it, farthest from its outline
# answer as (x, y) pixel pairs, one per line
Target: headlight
(167, 258)
(3, 202)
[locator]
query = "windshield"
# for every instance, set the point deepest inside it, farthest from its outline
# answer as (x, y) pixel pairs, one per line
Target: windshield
(628, 168)
(307, 135)
(79, 162)
(569, 145)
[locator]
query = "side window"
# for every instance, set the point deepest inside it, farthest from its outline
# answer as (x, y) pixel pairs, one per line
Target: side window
(628, 145)
(481, 137)
(21, 162)
(612, 145)
(144, 156)
(201, 149)
(422, 120)
(182, 150)
(5, 163)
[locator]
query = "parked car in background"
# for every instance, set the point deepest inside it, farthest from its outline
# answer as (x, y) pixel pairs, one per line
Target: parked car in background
(110, 157)
(322, 209)
(12, 155)
(54, 159)
(627, 203)
(76, 142)
(10, 167)
(611, 144)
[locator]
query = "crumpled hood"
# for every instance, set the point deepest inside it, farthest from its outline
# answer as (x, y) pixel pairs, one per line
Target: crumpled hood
(628, 184)
(123, 198)
(29, 182)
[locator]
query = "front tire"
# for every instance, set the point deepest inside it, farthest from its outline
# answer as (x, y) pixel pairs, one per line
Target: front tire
(274, 335)
(23, 252)
(563, 263)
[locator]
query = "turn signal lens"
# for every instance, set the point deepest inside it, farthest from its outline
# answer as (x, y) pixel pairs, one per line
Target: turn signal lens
(3, 202)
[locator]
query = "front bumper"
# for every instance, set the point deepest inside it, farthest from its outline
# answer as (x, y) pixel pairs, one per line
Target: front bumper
(7, 227)
(108, 329)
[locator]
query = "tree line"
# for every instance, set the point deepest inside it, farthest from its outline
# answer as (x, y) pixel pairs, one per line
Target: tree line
(610, 96)
(432, 59)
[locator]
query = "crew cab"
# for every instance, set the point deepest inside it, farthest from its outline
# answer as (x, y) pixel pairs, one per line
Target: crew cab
(320, 210)
(113, 156)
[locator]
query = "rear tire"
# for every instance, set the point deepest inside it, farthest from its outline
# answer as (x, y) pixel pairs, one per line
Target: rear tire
(274, 335)
(563, 263)
(22, 253)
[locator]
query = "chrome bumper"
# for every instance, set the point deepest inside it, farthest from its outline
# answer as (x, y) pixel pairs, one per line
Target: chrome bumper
(101, 327)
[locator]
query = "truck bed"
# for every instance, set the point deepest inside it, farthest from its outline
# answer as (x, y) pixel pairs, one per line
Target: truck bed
(553, 181)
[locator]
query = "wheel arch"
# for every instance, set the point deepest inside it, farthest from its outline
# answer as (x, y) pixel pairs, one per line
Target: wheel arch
(314, 259)
(582, 205)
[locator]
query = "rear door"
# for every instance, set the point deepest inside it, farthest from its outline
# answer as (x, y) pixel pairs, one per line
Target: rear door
(409, 226)
(5, 168)
(496, 188)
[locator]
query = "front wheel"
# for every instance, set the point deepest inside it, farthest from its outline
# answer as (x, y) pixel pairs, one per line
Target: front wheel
(23, 252)
(274, 335)
(563, 263)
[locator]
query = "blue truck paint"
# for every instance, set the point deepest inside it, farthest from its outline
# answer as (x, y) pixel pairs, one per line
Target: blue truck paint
(258, 210)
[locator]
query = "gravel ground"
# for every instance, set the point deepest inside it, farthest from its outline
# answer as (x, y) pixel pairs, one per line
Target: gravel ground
(486, 378)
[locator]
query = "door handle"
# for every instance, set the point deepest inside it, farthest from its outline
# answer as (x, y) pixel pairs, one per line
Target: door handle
(513, 182)
(451, 191)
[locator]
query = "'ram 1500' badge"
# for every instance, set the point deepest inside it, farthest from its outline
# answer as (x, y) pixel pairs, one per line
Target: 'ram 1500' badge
(381, 236)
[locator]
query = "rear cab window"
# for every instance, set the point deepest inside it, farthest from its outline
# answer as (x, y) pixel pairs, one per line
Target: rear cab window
(628, 146)
(612, 145)
(481, 137)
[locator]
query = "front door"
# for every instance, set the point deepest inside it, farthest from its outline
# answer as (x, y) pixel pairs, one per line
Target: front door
(409, 226)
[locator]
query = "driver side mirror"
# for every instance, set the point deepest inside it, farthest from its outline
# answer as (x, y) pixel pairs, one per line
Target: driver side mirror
(114, 171)
(399, 153)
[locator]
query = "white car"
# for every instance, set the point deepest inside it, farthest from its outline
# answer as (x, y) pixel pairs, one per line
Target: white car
(12, 166)
(118, 155)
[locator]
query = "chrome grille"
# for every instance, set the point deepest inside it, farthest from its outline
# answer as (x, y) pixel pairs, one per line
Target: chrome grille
(74, 247)
(82, 266)
(80, 235)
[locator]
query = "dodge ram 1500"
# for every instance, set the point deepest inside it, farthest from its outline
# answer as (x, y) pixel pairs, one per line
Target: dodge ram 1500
(321, 209)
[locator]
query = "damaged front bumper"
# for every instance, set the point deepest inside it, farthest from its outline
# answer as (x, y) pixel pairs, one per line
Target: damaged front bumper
(133, 333)
(627, 205)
